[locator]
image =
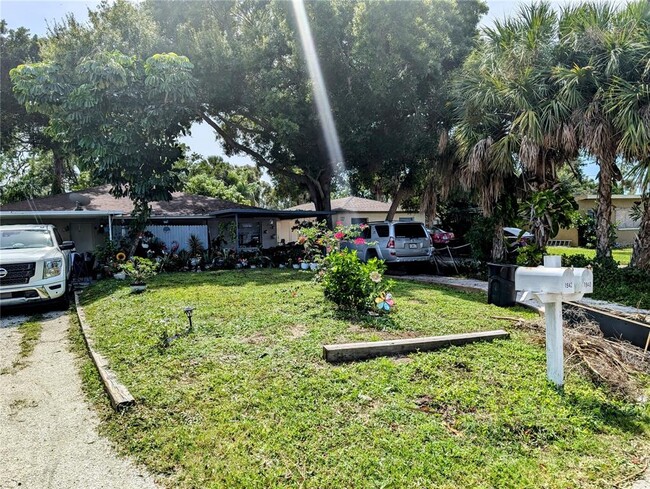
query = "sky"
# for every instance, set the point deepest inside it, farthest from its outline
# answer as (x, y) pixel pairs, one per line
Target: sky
(37, 16)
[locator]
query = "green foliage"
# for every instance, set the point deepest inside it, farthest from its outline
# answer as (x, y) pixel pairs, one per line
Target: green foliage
(215, 177)
(195, 246)
(115, 104)
(480, 237)
(586, 224)
(139, 270)
(351, 284)
(385, 66)
(548, 210)
(530, 255)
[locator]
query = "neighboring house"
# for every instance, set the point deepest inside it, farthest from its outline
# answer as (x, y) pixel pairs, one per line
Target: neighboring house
(627, 228)
(349, 210)
(90, 217)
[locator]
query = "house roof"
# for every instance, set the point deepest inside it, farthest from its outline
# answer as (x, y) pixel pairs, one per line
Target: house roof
(350, 204)
(181, 205)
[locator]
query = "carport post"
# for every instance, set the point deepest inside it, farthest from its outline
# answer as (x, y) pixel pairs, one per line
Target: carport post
(110, 227)
(236, 232)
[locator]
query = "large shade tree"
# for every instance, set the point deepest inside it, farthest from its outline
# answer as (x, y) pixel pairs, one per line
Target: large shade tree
(34, 163)
(113, 102)
(385, 65)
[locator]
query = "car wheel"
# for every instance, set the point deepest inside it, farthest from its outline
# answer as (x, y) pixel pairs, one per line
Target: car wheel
(370, 254)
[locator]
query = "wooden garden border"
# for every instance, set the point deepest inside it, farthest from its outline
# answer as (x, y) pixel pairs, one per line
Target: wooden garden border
(118, 394)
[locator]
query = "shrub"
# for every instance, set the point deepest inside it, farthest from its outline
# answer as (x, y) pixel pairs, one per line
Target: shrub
(140, 269)
(530, 255)
(355, 286)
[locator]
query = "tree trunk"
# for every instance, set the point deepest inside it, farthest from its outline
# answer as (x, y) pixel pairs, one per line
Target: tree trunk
(498, 245)
(641, 251)
(604, 213)
(58, 163)
(320, 192)
(403, 192)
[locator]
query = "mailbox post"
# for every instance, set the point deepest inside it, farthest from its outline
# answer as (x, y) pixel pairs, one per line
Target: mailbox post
(551, 284)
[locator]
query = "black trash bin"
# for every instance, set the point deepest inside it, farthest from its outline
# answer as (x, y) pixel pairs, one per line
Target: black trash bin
(501, 284)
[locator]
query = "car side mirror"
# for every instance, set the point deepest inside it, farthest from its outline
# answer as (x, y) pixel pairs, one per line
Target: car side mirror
(67, 245)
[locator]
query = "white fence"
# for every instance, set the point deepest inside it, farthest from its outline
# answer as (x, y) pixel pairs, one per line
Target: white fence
(168, 233)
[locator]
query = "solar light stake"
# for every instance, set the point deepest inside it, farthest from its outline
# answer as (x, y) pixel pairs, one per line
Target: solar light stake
(188, 312)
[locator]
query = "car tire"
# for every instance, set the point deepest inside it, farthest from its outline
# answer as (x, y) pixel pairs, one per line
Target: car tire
(370, 254)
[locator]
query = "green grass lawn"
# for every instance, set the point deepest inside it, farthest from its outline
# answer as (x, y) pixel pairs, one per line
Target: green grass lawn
(622, 256)
(247, 401)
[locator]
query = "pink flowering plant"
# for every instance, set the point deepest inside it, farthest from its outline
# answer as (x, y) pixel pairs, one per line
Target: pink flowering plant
(318, 240)
(352, 285)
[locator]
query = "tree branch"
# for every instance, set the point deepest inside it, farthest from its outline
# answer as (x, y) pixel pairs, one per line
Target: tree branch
(258, 157)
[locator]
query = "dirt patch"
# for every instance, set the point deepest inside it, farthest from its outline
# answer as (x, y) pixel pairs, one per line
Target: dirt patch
(256, 339)
(298, 331)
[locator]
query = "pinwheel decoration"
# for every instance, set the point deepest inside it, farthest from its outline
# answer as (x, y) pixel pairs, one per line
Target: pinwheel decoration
(385, 302)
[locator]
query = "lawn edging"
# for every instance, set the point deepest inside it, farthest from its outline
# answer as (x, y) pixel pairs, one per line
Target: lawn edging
(118, 394)
(347, 352)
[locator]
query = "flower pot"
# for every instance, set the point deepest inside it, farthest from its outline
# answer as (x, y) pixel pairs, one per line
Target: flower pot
(313, 266)
(304, 266)
(296, 266)
(119, 275)
(137, 288)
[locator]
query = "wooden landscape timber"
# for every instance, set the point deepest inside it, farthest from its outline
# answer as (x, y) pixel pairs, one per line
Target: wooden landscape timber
(118, 394)
(348, 352)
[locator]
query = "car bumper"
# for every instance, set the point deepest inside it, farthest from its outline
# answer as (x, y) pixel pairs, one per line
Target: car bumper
(43, 290)
(406, 259)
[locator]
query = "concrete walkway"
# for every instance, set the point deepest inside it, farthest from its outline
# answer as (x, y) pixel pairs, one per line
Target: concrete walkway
(482, 286)
(48, 432)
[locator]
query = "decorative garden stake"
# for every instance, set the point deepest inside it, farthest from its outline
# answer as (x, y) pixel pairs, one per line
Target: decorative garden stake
(188, 312)
(551, 284)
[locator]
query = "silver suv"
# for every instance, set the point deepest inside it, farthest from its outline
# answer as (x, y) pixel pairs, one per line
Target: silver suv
(394, 242)
(34, 265)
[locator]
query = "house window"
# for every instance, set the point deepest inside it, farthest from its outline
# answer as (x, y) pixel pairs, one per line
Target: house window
(624, 219)
(250, 234)
(359, 220)
(406, 219)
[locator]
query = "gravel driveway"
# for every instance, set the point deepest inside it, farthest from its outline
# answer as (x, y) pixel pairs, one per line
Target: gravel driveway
(48, 433)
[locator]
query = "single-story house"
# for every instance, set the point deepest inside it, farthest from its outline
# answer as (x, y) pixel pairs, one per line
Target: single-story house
(350, 210)
(90, 217)
(627, 227)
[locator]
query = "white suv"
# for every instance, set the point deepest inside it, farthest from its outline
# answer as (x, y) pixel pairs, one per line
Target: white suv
(35, 265)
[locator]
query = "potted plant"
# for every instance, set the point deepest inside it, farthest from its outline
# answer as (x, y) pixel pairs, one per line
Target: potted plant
(139, 270)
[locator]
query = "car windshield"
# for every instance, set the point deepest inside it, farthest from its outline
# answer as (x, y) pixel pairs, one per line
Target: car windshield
(410, 231)
(25, 238)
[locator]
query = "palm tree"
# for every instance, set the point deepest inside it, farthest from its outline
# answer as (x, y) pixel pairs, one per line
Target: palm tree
(628, 102)
(603, 51)
(511, 130)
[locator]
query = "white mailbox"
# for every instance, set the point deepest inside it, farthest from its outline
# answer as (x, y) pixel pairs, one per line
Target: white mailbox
(545, 280)
(551, 285)
(583, 280)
